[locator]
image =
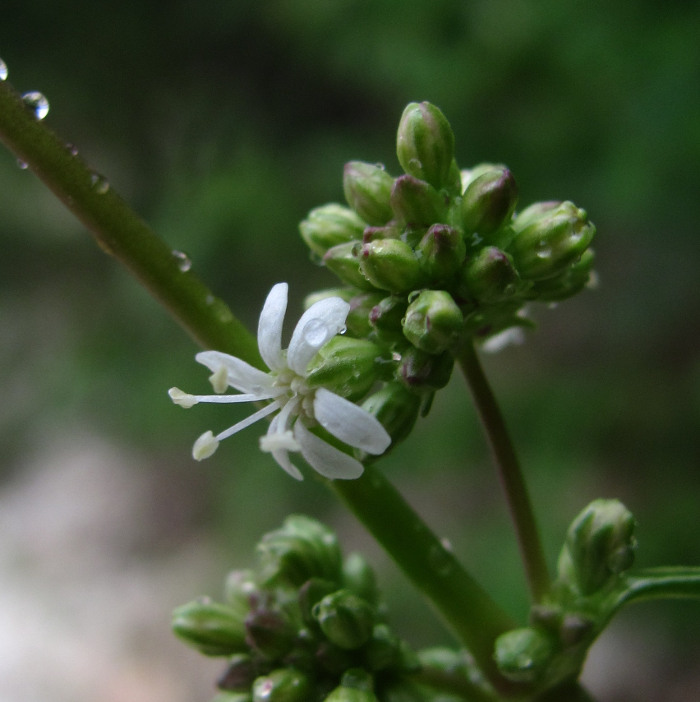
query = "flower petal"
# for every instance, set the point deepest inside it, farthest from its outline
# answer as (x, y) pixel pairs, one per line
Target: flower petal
(241, 375)
(324, 458)
(270, 327)
(318, 325)
(280, 454)
(350, 423)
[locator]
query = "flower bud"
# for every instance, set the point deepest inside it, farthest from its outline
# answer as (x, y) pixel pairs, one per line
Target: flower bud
(359, 577)
(311, 592)
(600, 545)
(269, 633)
(346, 619)
(416, 203)
(302, 549)
(441, 251)
(421, 371)
(385, 317)
(344, 261)
(533, 212)
(552, 242)
(357, 321)
(469, 175)
(367, 189)
(356, 685)
(390, 264)
(283, 685)
(388, 231)
(433, 321)
(425, 144)
(383, 650)
(490, 277)
(239, 675)
(569, 282)
(329, 225)
(226, 696)
(489, 201)
(212, 628)
(396, 408)
(344, 365)
(239, 589)
(522, 655)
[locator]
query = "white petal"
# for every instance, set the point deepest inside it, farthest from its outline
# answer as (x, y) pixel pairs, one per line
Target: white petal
(324, 458)
(270, 327)
(281, 454)
(241, 375)
(320, 323)
(350, 423)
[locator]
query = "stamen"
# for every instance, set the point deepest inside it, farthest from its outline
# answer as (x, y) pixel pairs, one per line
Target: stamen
(279, 441)
(204, 446)
(219, 380)
(182, 398)
(268, 409)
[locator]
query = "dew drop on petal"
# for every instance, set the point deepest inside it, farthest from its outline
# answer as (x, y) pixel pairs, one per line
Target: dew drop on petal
(315, 332)
(99, 183)
(3, 70)
(183, 261)
(37, 103)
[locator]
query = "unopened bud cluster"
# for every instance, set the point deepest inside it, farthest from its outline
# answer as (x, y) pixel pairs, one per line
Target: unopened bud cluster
(306, 625)
(438, 256)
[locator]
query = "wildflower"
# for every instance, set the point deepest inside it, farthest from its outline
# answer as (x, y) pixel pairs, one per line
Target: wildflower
(285, 388)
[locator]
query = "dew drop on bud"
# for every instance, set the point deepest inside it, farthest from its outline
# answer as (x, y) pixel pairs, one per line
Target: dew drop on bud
(37, 103)
(22, 165)
(183, 261)
(3, 70)
(99, 183)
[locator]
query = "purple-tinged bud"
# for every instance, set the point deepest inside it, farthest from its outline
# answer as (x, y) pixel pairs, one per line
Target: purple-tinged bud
(388, 231)
(385, 317)
(433, 322)
(345, 619)
(283, 685)
(367, 189)
(239, 675)
(570, 281)
(421, 371)
(396, 408)
(329, 225)
(212, 628)
(490, 277)
(417, 203)
(469, 175)
(344, 261)
(488, 202)
(269, 633)
(425, 144)
(442, 251)
(522, 655)
(357, 321)
(391, 264)
(551, 243)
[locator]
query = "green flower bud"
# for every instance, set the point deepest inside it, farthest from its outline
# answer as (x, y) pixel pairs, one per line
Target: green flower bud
(575, 628)
(367, 189)
(346, 619)
(390, 264)
(569, 282)
(283, 685)
(239, 675)
(359, 577)
(442, 251)
(490, 277)
(489, 201)
(383, 650)
(345, 366)
(302, 549)
(534, 212)
(433, 321)
(551, 243)
(269, 633)
(329, 225)
(239, 589)
(396, 408)
(421, 371)
(389, 231)
(358, 319)
(469, 175)
(600, 545)
(310, 593)
(344, 293)
(522, 655)
(416, 203)
(385, 317)
(225, 696)
(425, 144)
(355, 686)
(212, 628)
(344, 261)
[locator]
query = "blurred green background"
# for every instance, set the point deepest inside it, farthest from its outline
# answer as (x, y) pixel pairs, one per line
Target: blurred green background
(223, 123)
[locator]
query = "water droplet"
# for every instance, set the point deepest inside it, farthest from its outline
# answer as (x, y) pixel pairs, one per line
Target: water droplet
(342, 330)
(22, 165)
(210, 299)
(415, 164)
(99, 183)
(183, 261)
(543, 250)
(37, 103)
(72, 149)
(3, 70)
(380, 166)
(315, 333)
(441, 561)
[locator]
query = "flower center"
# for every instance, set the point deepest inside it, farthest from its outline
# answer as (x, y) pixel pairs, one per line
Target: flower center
(295, 386)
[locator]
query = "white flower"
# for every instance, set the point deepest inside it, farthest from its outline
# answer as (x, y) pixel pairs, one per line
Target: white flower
(298, 406)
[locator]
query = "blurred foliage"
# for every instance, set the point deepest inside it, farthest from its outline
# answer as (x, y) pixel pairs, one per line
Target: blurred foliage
(224, 122)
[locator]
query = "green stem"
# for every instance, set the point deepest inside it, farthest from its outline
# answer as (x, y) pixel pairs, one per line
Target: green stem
(120, 232)
(465, 607)
(510, 474)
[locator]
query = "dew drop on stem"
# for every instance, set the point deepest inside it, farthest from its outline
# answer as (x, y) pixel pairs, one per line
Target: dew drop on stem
(183, 261)
(99, 183)
(3, 70)
(37, 103)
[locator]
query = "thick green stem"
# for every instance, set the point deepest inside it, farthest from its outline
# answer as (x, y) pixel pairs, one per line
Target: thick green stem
(465, 607)
(120, 231)
(510, 474)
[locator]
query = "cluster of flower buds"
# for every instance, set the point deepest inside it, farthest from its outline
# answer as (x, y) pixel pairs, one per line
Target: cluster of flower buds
(306, 625)
(438, 256)
(599, 549)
